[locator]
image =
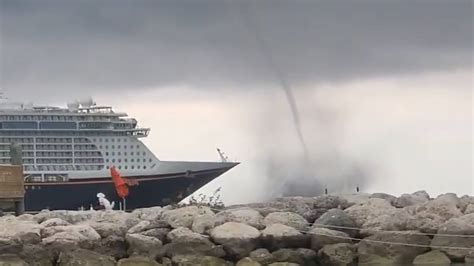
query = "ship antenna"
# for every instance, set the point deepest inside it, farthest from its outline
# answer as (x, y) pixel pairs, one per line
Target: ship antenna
(224, 158)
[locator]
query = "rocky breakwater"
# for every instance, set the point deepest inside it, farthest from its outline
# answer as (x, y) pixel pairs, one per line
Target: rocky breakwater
(358, 229)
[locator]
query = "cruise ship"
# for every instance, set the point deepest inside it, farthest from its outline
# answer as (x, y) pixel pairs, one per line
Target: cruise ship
(68, 153)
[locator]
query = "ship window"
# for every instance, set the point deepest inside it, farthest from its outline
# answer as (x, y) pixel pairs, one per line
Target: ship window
(138, 147)
(150, 160)
(113, 146)
(131, 153)
(19, 125)
(119, 153)
(107, 160)
(120, 167)
(118, 147)
(144, 153)
(125, 160)
(118, 140)
(113, 140)
(106, 153)
(144, 167)
(108, 167)
(113, 153)
(133, 167)
(106, 140)
(126, 167)
(125, 153)
(132, 160)
(138, 166)
(119, 160)
(113, 160)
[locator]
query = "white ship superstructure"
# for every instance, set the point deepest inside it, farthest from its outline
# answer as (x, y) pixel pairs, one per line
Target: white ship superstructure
(81, 141)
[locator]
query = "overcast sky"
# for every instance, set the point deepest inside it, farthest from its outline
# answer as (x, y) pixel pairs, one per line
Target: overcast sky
(383, 88)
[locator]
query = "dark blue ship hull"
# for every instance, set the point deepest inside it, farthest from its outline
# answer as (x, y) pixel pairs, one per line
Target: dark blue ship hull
(150, 191)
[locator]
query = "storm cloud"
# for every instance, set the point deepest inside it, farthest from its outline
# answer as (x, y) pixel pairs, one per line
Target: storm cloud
(52, 46)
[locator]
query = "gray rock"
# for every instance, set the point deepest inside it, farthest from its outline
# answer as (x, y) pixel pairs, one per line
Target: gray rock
(287, 218)
(37, 255)
(10, 245)
(262, 256)
(181, 231)
(465, 201)
(11, 260)
(238, 239)
(114, 246)
(300, 256)
(330, 202)
(387, 222)
(371, 209)
(277, 236)
(148, 225)
(406, 200)
(81, 257)
(82, 235)
(27, 232)
(425, 222)
(192, 260)
(284, 264)
(148, 214)
(323, 236)
(159, 233)
(105, 229)
(71, 217)
(246, 216)
(469, 209)
(54, 222)
(469, 259)
(385, 196)
(203, 223)
(194, 244)
(247, 262)
(354, 198)
(463, 225)
(422, 193)
(374, 250)
(434, 257)
(337, 219)
(137, 261)
(143, 245)
(338, 254)
(184, 217)
(443, 207)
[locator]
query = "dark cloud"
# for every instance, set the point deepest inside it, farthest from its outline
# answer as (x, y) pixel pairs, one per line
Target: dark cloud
(49, 46)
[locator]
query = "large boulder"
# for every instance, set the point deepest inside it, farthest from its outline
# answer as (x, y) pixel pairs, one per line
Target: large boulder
(465, 201)
(143, 245)
(416, 198)
(191, 260)
(469, 209)
(454, 237)
(337, 219)
(369, 210)
(11, 260)
(445, 207)
(354, 198)
(138, 261)
(323, 236)
(247, 262)
(72, 217)
(37, 255)
(105, 229)
(387, 222)
(246, 216)
(80, 257)
(425, 222)
(262, 256)
(178, 232)
(238, 239)
(120, 218)
(114, 246)
(27, 232)
(10, 245)
(194, 244)
(83, 236)
(378, 248)
(277, 236)
(184, 217)
(147, 225)
(54, 222)
(148, 214)
(159, 233)
(287, 218)
(203, 223)
(434, 257)
(300, 256)
(385, 196)
(338, 254)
